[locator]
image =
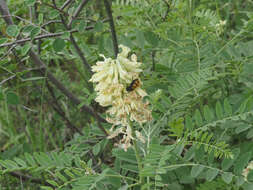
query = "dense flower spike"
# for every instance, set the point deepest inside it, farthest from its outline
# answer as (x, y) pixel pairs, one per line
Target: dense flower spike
(112, 76)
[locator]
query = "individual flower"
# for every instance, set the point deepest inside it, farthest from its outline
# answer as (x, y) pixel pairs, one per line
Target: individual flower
(111, 78)
(220, 27)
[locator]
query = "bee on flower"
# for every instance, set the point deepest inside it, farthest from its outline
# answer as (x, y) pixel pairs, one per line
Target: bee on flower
(118, 85)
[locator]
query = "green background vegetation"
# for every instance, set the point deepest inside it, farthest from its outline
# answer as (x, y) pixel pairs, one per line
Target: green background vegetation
(198, 74)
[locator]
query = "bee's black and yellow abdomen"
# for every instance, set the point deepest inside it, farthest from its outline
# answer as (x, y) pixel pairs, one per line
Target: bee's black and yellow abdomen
(134, 84)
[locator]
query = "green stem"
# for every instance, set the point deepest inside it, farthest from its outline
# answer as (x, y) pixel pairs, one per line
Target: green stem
(137, 154)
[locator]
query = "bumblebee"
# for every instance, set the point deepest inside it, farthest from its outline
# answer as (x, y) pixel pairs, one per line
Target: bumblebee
(134, 84)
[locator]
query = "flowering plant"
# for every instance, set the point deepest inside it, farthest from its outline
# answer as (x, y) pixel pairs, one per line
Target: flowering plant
(112, 76)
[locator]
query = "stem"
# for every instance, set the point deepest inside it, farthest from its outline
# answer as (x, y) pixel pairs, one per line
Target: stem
(113, 31)
(137, 153)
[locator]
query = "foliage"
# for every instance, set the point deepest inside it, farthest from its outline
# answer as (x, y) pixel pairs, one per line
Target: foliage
(197, 69)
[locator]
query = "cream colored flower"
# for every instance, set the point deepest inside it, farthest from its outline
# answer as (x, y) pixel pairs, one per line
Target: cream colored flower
(111, 77)
(219, 27)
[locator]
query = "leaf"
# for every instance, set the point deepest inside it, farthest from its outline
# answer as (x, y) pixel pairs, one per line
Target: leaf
(12, 98)
(208, 113)
(250, 176)
(241, 163)
(96, 149)
(151, 38)
(61, 177)
(211, 174)
(53, 14)
(46, 188)
(20, 162)
(52, 183)
(242, 127)
(27, 30)
(140, 39)
(240, 180)
(228, 162)
(69, 173)
(30, 2)
(81, 26)
(98, 27)
(34, 32)
(125, 187)
(219, 110)
(227, 177)
(40, 18)
(58, 44)
(198, 118)
(196, 170)
(128, 156)
(1, 94)
(30, 159)
(12, 30)
(227, 107)
(25, 49)
(188, 122)
(247, 186)
(33, 78)
(3, 40)
(242, 107)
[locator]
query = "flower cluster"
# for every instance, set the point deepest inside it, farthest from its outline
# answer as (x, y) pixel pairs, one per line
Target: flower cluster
(112, 76)
(220, 27)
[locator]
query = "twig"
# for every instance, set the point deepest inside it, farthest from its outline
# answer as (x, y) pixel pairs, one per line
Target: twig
(50, 22)
(27, 21)
(153, 59)
(62, 88)
(78, 10)
(114, 36)
(51, 35)
(168, 9)
(7, 53)
(80, 53)
(5, 80)
(37, 18)
(65, 4)
(59, 110)
(5, 12)
(60, 10)
(72, 39)
(29, 178)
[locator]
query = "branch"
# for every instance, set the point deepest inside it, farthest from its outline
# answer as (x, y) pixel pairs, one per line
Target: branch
(21, 41)
(62, 88)
(114, 36)
(65, 4)
(29, 178)
(168, 9)
(153, 59)
(27, 21)
(60, 10)
(50, 22)
(51, 35)
(59, 110)
(80, 53)
(72, 39)
(78, 10)
(5, 12)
